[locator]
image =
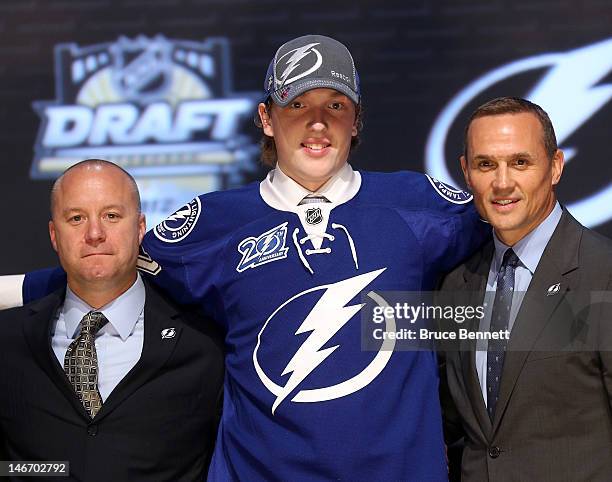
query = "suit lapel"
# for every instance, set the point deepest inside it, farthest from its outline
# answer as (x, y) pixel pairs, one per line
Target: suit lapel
(558, 262)
(158, 316)
(475, 277)
(37, 332)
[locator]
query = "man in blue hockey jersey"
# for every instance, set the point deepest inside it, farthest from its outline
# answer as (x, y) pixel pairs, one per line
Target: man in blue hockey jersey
(281, 266)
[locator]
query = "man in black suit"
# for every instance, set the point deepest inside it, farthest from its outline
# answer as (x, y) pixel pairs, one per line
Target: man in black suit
(107, 374)
(535, 406)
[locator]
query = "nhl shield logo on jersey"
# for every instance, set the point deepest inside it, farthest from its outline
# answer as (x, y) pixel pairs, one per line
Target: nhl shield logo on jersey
(451, 194)
(314, 216)
(267, 247)
(177, 226)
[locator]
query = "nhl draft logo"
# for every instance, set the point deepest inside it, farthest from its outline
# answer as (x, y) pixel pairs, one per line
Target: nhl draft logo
(451, 194)
(162, 109)
(573, 88)
(267, 247)
(328, 316)
(178, 225)
(314, 216)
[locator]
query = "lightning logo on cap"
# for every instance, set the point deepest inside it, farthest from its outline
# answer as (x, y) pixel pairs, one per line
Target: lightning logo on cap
(293, 63)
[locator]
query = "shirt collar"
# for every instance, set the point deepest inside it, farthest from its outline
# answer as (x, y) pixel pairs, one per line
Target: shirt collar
(530, 248)
(122, 313)
(281, 192)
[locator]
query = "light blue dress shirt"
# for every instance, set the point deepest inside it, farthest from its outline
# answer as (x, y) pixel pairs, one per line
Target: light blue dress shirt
(118, 344)
(529, 251)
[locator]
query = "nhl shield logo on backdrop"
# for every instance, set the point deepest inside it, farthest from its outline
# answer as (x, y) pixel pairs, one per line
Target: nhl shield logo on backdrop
(314, 216)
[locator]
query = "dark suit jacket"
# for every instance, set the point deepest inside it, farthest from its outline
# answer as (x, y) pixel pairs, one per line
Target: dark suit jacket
(159, 422)
(553, 420)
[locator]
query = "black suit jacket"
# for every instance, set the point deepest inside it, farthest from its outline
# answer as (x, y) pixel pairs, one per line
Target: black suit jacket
(159, 422)
(553, 420)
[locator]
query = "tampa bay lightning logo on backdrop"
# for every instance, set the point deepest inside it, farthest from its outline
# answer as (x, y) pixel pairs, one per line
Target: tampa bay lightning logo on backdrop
(451, 194)
(328, 316)
(572, 89)
(177, 226)
(265, 248)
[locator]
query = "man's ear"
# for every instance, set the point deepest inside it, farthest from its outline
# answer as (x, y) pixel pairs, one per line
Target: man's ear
(558, 161)
(52, 235)
(142, 227)
(266, 120)
(464, 168)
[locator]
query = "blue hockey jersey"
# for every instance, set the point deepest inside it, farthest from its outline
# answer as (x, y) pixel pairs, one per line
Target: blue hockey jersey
(303, 400)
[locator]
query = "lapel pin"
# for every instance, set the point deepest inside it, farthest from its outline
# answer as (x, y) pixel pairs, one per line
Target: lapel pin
(168, 333)
(553, 289)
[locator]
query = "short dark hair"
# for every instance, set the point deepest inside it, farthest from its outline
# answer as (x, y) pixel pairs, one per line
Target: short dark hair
(94, 163)
(515, 105)
(269, 156)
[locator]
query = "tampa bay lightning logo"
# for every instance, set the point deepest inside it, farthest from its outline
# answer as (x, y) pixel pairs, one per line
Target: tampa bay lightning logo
(267, 247)
(451, 194)
(295, 60)
(329, 315)
(574, 88)
(177, 226)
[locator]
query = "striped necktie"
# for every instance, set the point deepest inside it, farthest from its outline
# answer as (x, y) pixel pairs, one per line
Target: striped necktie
(313, 199)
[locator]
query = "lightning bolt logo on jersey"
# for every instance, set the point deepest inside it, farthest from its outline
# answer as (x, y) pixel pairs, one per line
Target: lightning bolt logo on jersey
(178, 225)
(329, 315)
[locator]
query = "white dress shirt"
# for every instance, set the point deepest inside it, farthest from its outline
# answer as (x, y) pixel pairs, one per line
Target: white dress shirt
(283, 193)
(118, 344)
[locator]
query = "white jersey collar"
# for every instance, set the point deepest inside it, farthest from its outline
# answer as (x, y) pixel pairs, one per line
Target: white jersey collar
(281, 192)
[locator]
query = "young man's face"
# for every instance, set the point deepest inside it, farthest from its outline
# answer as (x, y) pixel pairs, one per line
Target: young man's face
(312, 135)
(510, 174)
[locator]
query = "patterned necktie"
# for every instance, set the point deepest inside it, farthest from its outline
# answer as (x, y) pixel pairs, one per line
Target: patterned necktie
(500, 319)
(313, 198)
(81, 362)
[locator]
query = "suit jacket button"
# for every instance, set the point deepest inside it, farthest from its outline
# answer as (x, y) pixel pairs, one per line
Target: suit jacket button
(92, 430)
(494, 452)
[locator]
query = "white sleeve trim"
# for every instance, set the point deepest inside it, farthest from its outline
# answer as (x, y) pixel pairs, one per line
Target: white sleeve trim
(11, 291)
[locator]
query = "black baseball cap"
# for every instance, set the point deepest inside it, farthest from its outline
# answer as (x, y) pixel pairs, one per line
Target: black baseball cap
(311, 62)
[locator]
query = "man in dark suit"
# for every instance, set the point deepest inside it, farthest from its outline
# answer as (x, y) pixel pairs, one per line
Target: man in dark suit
(107, 374)
(535, 406)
